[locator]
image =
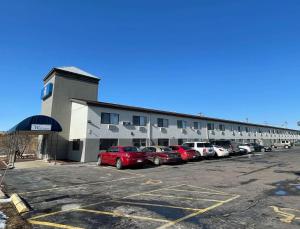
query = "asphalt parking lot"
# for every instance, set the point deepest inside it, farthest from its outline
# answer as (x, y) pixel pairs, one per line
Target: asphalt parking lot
(250, 191)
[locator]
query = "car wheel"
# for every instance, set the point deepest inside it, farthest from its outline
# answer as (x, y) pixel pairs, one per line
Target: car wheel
(157, 161)
(119, 164)
(99, 162)
(199, 156)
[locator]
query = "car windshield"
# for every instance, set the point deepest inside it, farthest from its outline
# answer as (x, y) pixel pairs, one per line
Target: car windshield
(165, 149)
(188, 144)
(130, 149)
(185, 148)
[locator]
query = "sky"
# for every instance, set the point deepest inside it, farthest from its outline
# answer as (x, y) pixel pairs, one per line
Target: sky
(228, 59)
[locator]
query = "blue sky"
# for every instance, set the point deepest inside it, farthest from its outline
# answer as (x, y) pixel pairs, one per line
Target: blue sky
(230, 59)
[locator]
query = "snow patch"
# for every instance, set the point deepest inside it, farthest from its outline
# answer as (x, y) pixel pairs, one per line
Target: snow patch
(69, 207)
(3, 219)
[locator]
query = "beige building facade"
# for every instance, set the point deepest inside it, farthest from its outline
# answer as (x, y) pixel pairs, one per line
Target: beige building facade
(90, 126)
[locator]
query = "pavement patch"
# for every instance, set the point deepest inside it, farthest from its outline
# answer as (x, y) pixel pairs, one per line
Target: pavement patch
(164, 205)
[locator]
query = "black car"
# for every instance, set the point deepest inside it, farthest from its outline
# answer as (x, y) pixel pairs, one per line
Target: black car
(261, 148)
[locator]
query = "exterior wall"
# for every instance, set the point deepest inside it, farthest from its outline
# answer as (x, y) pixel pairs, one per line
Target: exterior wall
(58, 105)
(47, 103)
(78, 130)
(96, 131)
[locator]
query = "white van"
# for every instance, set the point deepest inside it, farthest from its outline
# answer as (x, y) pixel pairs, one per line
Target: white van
(283, 143)
(204, 148)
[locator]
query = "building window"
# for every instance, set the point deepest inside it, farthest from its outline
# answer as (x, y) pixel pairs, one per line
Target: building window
(259, 131)
(221, 127)
(107, 143)
(76, 144)
(138, 142)
(161, 122)
(163, 142)
(247, 129)
(139, 120)
(197, 125)
(239, 129)
(210, 126)
(181, 124)
(181, 141)
(110, 118)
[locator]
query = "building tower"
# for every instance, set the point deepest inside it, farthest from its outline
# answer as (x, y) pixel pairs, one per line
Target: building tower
(62, 84)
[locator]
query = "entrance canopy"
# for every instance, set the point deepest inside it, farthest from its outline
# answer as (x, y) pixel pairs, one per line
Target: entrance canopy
(36, 125)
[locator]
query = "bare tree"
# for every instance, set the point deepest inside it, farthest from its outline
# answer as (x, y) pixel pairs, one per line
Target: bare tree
(14, 145)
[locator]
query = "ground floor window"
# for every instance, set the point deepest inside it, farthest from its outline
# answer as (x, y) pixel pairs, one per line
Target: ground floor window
(181, 141)
(163, 142)
(76, 144)
(138, 142)
(106, 143)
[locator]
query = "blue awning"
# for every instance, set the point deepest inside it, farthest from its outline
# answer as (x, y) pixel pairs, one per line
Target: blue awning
(38, 124)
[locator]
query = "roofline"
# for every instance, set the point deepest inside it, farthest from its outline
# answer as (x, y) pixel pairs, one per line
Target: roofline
(141, 109)
(68, 74)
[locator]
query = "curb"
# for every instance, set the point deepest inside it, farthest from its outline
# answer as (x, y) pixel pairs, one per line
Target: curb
(19, 203)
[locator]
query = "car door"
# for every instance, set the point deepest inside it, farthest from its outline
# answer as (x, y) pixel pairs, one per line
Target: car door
(105, 156)
(148, 152)
(200, 147)
(114, 154)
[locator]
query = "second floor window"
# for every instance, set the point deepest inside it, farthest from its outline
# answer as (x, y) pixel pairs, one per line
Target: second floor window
(181, 124)
(161, 122)
(239, 129)
(139, 120)
(110, 118)
(210, 126)
(222, 127)
(196, 125)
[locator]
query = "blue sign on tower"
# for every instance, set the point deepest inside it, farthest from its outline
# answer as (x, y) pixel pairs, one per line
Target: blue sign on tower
(47, 91)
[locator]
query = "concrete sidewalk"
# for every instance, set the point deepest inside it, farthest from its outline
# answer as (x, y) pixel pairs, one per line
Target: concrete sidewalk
(32, 164)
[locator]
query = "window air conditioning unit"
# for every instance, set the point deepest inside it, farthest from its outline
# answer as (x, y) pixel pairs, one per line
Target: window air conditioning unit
(142, 129)
(163, 129)
(223, 133)
(126, 123)
(213, 132)
(183, 131)
(112, 127)
(198, 132)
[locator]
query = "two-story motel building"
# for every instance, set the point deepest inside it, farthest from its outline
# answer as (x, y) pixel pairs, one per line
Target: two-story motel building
(70, 95)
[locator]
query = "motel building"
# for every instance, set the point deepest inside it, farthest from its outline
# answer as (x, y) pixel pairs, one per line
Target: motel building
(70, 96)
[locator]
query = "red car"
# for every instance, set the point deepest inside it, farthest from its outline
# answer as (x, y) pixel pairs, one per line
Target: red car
(162, 155)
(122, 156)
(186, 153)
